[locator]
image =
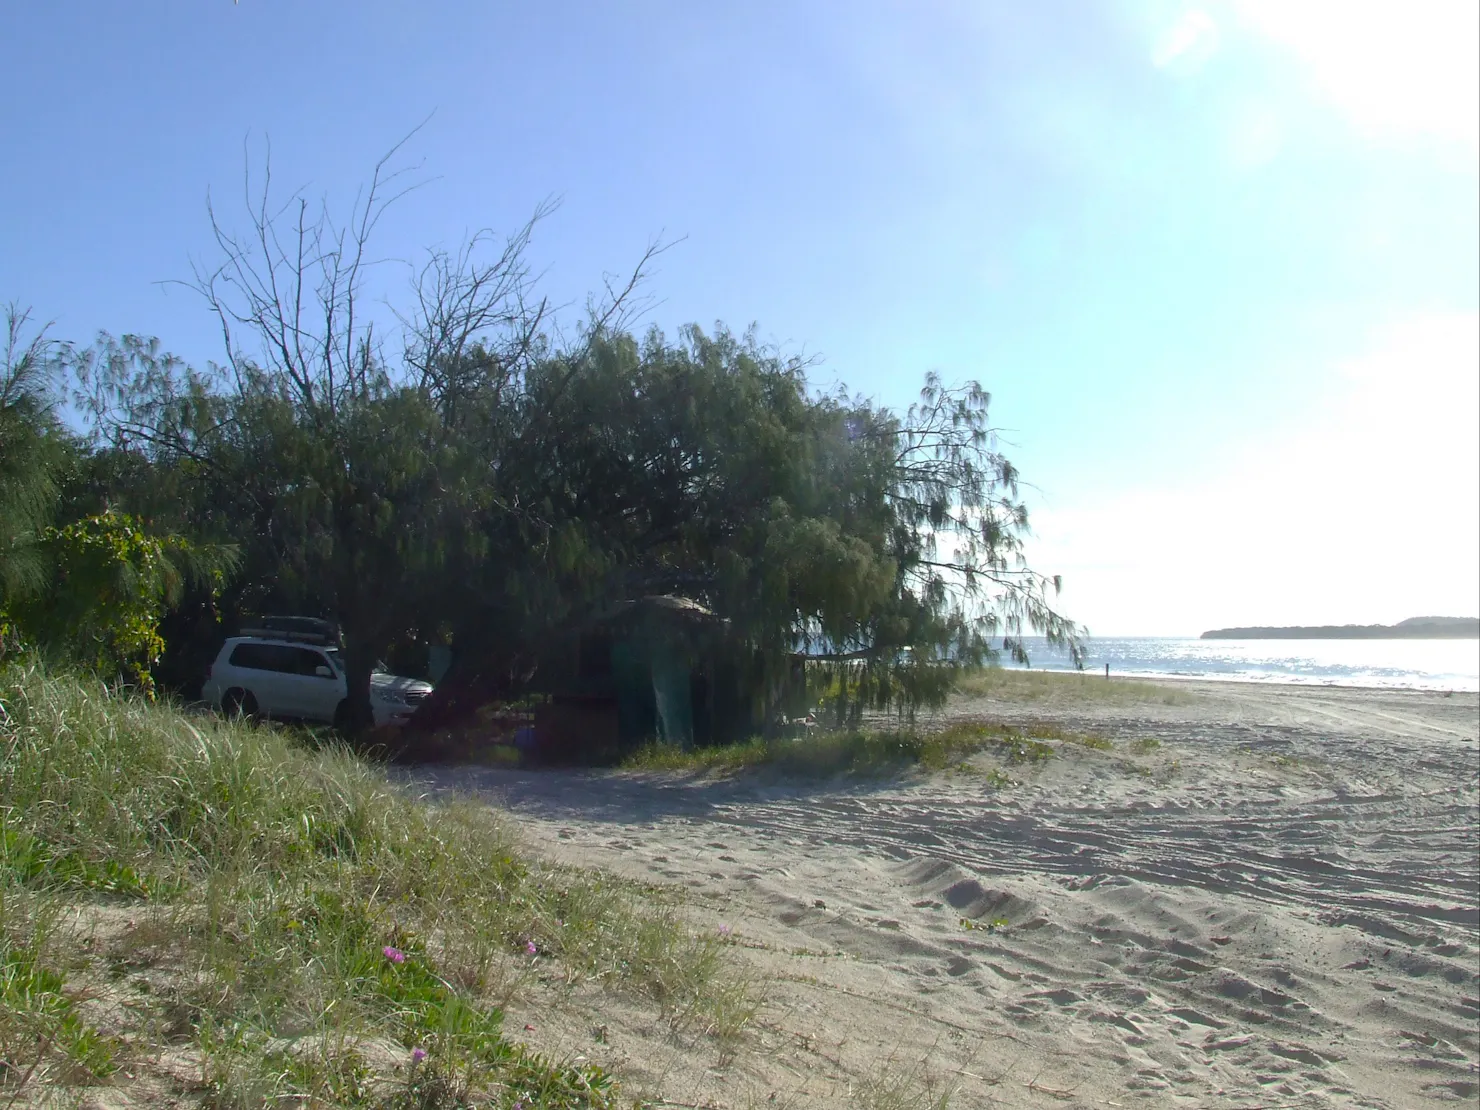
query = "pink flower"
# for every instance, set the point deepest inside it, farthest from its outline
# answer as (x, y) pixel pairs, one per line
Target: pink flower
(725, 930)
(531, 949)
(395, 955)
(418, 1055)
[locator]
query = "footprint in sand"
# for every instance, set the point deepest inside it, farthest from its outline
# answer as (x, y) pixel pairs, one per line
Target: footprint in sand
(1301, 1054)
(1195, 1017)
(1059, 997)
(976, 901)
(1459, 1089)
(1227, 1043)
(1123, 1021)
(1237, 987)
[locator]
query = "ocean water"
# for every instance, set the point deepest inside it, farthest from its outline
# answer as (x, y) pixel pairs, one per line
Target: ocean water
(1411, 664)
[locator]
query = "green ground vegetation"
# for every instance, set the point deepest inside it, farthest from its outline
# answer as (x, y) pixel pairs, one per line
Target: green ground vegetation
(1008, 684)
(283, 923)
(821, 752)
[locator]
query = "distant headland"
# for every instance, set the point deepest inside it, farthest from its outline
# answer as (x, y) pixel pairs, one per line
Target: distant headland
(1414, 628)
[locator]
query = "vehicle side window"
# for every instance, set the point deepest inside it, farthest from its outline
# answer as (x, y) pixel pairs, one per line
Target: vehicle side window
(309, 661)
(264, 657)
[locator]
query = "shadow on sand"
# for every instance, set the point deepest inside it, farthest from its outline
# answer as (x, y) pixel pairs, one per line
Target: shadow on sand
(630, 797)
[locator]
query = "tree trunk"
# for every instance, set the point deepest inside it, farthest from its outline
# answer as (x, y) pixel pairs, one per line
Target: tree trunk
(475, 679)
(359, 660)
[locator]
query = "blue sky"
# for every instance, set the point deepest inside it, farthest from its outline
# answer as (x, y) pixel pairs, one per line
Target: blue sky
(1217, 263)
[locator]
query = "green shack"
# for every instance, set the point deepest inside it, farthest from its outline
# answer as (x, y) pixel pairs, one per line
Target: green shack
(661, 668)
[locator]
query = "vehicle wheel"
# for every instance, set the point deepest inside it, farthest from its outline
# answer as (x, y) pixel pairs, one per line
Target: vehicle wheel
(341, 715)
(238, 703)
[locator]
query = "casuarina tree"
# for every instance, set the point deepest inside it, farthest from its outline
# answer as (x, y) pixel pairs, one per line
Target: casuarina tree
(470, 467)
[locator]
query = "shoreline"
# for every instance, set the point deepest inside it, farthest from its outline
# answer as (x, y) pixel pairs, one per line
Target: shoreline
(1251, 680)
(1438, 664)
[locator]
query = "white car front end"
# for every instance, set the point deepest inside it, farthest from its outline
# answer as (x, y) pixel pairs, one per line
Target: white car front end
(394, 699)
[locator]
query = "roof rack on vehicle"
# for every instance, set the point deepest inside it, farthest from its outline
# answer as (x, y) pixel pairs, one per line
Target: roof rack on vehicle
(290, 637)
(307, 630)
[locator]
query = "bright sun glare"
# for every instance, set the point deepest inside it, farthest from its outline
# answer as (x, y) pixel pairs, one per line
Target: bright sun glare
(1410, 67)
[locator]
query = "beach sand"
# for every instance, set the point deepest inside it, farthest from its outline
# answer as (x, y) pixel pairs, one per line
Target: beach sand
(1260, 896)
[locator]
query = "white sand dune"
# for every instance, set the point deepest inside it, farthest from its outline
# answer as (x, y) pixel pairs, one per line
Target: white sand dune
(1275, 906)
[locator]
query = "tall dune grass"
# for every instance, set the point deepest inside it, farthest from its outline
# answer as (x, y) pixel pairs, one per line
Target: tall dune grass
(824, 752)
(295, 925)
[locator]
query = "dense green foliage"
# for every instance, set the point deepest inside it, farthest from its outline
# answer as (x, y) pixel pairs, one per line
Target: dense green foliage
(493, 478)
(29, 458)
(90, 587)
(109, 586)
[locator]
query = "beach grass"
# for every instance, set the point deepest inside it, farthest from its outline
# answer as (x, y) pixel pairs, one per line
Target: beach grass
(822, 753)
(280, 923)
(1010, 684)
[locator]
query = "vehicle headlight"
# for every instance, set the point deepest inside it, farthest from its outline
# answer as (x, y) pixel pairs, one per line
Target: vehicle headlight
(390, 696)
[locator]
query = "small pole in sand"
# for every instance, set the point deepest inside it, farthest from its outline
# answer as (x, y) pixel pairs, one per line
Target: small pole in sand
(1107, 670)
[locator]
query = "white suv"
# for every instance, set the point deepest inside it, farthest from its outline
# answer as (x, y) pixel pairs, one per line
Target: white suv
(278, 675)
